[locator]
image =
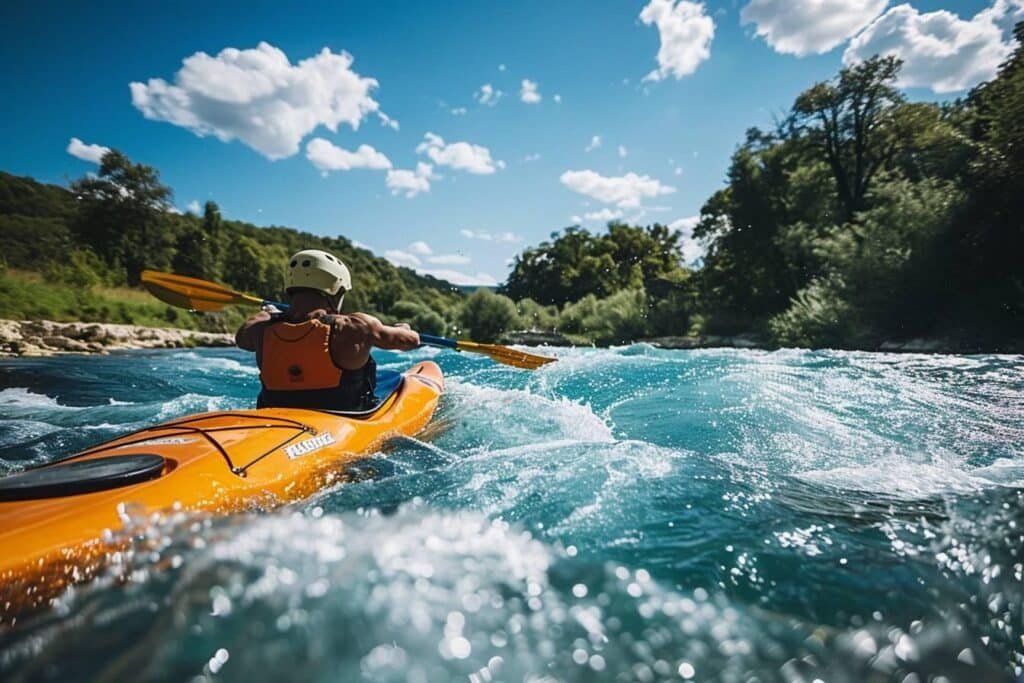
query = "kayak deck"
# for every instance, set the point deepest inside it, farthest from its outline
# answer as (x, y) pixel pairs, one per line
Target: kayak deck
(217, 463)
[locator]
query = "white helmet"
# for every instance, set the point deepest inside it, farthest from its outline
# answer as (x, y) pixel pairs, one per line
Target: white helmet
(316, 269)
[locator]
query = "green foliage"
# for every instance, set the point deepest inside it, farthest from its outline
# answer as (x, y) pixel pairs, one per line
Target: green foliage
(193, 255)
(865, 218)
(80, 268)
(534, 316)
(419, 317)
(576, 263)
(487, 315)
(850, 123)
(35, 296)
(618, 319)
(818, 317)
(123, 215)
(109, 227)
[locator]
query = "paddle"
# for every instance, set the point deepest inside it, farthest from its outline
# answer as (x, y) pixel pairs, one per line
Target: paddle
(200, 295)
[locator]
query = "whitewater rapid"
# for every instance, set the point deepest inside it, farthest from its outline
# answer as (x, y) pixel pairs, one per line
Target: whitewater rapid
(623, 514)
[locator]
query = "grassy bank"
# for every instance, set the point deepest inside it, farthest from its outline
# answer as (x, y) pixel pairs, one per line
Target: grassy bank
(30, 296)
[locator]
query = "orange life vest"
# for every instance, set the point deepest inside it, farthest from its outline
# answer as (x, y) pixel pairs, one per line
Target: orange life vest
(297, 357)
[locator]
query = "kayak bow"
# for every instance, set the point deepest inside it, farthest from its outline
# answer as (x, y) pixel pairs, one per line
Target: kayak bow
(61, 523)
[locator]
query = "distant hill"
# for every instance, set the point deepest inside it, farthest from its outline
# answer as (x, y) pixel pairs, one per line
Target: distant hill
(53, 238)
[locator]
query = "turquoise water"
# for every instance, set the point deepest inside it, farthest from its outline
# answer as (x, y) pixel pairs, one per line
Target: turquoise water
(625, 514)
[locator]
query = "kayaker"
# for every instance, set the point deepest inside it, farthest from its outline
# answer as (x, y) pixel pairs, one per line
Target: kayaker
(312, 355)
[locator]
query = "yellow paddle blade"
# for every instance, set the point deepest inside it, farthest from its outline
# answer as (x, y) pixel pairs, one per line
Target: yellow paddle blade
(506, 355)
(191, 292)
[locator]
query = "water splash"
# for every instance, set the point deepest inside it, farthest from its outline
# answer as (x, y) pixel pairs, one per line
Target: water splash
(627, 513)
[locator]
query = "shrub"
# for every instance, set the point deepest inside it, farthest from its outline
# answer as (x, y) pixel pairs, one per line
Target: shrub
(617, 319)
(487, 315)
(818, 316)
(533, 316)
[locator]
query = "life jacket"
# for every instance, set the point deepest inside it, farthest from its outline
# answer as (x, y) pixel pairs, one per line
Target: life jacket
(298, 371)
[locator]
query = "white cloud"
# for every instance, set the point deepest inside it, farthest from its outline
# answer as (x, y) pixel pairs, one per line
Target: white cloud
(193, 207)
(419, 252)
(259, 97)
(528, 92)
(410, 182)
(92, 153)
(531, 157)
(449, 259)
(803, 27)
(402, 258)
(329, 157)
(501, 67)
(488, 237)
(595, 142)
(940, 50)
(626, 192)
(459, 111)
(622, 152)
(488, 95)
(603, 216)
(692, 249)
(420, 247)
(461, 156)
(678, 171)
(557, 98)
(460, 278)
(685, 31)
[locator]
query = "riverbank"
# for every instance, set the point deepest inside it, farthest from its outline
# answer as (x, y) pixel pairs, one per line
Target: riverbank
(48, 338)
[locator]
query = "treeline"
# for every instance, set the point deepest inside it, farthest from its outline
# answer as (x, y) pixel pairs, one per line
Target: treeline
(73, 253)
(860, 218)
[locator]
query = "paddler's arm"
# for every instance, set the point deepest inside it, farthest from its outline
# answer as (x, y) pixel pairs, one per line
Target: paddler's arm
(248, 334)
(391, 337)
(356, 335)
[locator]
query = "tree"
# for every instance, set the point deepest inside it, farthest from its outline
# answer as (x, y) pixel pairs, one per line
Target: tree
(576, 263)
(243, 266)
(848, 121)
(990, 239)
(213, 227)
(193, 255)
(123, 215)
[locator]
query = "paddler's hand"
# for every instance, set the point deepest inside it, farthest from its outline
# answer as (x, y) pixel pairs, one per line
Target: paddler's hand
(271, 309)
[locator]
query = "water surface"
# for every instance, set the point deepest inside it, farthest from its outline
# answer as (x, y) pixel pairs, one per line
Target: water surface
(624, 514)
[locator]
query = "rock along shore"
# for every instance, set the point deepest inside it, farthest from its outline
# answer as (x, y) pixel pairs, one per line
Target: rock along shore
(47, 338)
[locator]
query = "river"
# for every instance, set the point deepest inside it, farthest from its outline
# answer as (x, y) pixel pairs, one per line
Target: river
(623, 514)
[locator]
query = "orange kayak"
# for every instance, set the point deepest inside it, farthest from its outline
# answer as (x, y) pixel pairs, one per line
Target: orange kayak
(59, 523)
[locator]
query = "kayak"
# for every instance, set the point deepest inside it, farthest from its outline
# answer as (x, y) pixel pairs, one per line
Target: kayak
(59, 523)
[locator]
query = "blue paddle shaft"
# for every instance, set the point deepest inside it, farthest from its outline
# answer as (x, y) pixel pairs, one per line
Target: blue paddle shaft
(427, 339)
(431, 340)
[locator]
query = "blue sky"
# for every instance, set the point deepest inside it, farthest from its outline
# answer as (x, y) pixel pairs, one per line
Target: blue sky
(449, 179)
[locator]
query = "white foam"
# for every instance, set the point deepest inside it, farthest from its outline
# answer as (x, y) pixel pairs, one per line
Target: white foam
(899, 478)
(519, 407)
(21, 397)
(217, 364)
(194, 403)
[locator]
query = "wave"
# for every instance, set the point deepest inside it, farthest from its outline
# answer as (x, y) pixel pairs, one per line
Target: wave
(14, 398)
(423, 594)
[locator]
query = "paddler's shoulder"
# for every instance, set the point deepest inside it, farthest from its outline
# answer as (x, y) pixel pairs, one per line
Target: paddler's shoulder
(351, 323)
